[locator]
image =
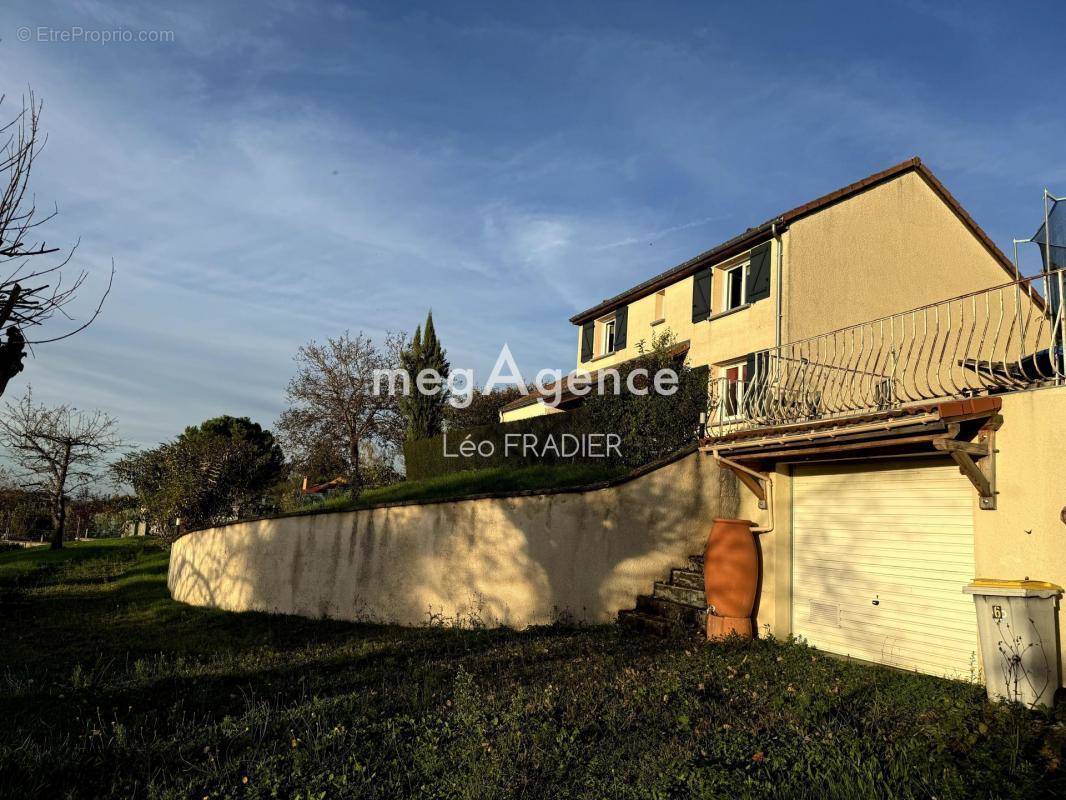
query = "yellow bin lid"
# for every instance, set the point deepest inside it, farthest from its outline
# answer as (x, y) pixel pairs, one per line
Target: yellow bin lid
(1008, 588)
(999, 583)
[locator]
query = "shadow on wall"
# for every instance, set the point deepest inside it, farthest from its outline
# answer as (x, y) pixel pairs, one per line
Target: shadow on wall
(514, 561)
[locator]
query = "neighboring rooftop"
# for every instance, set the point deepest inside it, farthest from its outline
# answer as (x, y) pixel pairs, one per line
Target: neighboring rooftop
(760, 233)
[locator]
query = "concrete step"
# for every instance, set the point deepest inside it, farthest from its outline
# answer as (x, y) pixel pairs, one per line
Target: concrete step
(680, 594)
(677, 613)
(688, 578)
(645, 623)
(696, 562)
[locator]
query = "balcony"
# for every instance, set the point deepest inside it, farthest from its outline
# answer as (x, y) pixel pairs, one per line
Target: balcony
(1005, 339)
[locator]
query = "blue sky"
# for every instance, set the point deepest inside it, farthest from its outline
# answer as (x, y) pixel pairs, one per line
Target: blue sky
(282, 171)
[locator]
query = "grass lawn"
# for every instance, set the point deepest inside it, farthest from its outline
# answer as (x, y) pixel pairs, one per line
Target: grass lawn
(110, 689)
(474, 482)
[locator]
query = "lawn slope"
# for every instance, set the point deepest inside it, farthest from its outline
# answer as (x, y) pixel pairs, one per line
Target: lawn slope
(110, 689)
(471, 483)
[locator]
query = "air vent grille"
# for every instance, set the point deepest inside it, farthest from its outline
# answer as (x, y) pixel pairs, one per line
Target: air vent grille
(822, 613)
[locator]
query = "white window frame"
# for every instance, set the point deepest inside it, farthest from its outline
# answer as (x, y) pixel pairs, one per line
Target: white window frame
(742, 270)
(608, 335)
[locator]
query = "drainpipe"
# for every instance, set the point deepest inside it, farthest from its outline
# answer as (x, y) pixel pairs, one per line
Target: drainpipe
(780, 279)
(768, 487)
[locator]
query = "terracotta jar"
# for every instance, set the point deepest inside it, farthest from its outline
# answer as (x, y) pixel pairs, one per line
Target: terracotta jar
(730, 578)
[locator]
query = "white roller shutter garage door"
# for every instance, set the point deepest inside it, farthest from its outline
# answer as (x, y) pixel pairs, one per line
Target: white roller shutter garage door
(880, 554)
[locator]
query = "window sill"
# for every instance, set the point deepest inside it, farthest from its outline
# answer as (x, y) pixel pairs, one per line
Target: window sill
(594, 359)
(658, 322)
(728, 312)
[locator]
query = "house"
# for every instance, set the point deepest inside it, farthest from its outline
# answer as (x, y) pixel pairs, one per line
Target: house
(891, 399)
(892, 241)
(889, 391)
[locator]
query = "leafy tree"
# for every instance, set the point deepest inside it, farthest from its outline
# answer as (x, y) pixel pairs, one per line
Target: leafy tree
(58, 450)
(332, 398)
(424, 412)
(213, 472)
(244, 458)
(321, 462)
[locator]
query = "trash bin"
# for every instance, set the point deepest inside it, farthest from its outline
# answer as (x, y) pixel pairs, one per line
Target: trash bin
(1017, 624)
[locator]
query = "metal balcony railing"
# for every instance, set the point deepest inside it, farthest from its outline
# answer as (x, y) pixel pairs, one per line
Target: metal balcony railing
(1007, 338)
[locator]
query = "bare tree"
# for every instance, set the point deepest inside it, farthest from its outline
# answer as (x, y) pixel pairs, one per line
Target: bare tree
(332, 399)
(32, 287)
(57, 450)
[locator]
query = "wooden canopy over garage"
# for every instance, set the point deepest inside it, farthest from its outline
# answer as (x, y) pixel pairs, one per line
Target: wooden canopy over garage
(961, 429)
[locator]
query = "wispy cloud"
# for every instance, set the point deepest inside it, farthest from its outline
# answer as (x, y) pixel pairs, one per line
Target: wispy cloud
(654, 236)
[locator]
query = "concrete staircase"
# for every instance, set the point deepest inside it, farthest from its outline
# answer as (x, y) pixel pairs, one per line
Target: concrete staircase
(674, 607)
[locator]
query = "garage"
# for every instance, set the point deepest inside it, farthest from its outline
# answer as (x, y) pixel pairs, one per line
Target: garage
(881, 551)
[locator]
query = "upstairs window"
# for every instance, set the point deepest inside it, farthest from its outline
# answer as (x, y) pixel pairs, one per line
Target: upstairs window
(660, 305)
(736, 287)
(607, 341)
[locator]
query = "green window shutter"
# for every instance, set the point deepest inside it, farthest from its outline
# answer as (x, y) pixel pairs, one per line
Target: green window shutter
(588, 330)
(621, 318)
(701, 295)
(755, 381)
(751, 366)
(759, 273)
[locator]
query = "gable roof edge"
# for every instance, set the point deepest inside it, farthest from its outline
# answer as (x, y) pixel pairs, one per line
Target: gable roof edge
(968, 221)
(765, 231)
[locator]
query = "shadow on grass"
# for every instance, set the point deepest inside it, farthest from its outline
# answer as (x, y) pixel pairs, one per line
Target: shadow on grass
(135, 695)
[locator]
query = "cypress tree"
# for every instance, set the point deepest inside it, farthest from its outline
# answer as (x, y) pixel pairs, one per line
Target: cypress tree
(424, 412)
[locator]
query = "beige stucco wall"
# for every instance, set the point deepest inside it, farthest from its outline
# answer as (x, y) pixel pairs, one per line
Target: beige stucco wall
(511, 561)
(892, 248)
(1025, 536)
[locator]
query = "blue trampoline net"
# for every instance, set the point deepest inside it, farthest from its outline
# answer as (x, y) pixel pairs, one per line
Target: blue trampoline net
(1053, 252)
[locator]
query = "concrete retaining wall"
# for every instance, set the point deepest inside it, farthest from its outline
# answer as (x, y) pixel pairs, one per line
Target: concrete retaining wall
(514, 561)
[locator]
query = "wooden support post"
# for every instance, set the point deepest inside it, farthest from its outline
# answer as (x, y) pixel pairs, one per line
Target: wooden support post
(976, 460)
(757, 486)
(754, 485)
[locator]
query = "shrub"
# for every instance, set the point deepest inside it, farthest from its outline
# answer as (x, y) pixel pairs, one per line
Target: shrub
(652, 425)
(484, 408)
